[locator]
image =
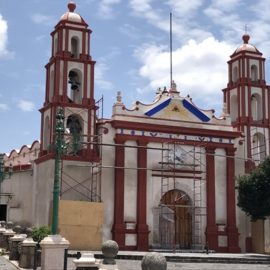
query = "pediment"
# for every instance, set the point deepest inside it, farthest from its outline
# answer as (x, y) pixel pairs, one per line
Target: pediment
(177, 109)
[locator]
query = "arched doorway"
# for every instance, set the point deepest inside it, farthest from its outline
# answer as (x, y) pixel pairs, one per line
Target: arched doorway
(175, 220)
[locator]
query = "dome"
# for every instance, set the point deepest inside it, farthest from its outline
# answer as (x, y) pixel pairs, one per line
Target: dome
(71, 15)
(246, 46)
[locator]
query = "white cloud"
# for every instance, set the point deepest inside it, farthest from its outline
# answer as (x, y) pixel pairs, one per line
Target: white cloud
(143, 8)
(199, 69)
(185, 8)
(184, 28)
(4, 38)
(26, 106)
(228, 5)
(43, 19)
(106, 10)
(3, 107)
(100, 81)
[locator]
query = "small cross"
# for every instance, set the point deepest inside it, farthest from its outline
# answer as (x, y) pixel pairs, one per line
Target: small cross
(246, 29)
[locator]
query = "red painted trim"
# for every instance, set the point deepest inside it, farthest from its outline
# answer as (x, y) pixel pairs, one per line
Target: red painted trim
(177, 170)
(260, 72)
(263, 93)
(89, 123)
(47, 95)
(52, 49)
(211, 228)
(233, 235)
(243, 101)
(250, 118)
(22, 167)
(175, 129)
(89, 44)
(52, 127)
(85, 82)
(142, 227)
(60, 41)
(243, 77)
(41, 131)
(118, 230)
(248, 70)
(162, 140)
(66, 39)
(230, 73)
(83, 43)
(92, 76)
(176, 176)
(65, 81)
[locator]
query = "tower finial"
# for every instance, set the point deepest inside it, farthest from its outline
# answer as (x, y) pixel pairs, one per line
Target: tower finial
(246, 36)
(71, 6)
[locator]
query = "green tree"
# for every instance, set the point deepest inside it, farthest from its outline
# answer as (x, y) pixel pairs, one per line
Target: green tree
(254, 192)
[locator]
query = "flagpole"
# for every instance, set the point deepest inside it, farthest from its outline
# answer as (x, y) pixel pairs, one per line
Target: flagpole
(171, 49)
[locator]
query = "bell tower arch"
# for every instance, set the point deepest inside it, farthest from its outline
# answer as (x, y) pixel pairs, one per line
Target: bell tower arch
(247, 98)
(70, 85)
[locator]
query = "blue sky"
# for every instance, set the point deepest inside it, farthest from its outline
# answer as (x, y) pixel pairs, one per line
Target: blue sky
(130, 42)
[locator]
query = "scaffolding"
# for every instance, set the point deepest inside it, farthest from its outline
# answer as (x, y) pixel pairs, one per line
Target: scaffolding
(88, 189)
(180, 216)
(258, 145)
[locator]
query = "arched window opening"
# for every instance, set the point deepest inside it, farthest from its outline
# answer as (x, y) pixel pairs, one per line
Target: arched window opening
(74, 90)
(74, 128)
(234, 108)
(258, 148)
(256, 107)
(74, 47)
(51, 89)
(235, 74)
(46, 133)
(55, 49)
(254, 73)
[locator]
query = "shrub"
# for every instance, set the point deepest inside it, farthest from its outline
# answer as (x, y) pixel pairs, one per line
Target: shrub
(40, 232)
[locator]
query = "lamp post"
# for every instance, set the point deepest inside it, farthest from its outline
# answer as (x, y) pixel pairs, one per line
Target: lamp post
(59, 150)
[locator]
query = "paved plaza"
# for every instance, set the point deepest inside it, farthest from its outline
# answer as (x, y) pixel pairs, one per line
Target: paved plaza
(136, 265)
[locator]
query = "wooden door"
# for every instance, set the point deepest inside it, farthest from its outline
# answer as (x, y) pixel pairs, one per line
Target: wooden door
(175, 220)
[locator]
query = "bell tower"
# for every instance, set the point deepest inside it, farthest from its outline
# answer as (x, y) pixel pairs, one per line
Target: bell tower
(70, 85)
(247, 97)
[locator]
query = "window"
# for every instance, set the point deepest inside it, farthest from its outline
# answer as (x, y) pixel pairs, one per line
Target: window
(55, 46)
(74, 128)
(46, 133)
(51, 87)
(234, 108)
(256, 107)
(74, 90)
(235, 74)
(254, 73)
(74, 47)
(258, 148)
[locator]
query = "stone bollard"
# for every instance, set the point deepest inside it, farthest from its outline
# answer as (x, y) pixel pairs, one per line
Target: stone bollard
(2, 230)
(109, 250)
(27, 251)
(86, 262)
(15, 240)
(7, 234)
(53, 251)
(154, 261)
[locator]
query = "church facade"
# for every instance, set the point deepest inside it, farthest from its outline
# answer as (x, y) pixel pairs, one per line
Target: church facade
(165, 172)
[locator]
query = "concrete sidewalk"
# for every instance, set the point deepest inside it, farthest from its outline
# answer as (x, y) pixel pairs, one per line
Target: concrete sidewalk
(6, 265)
